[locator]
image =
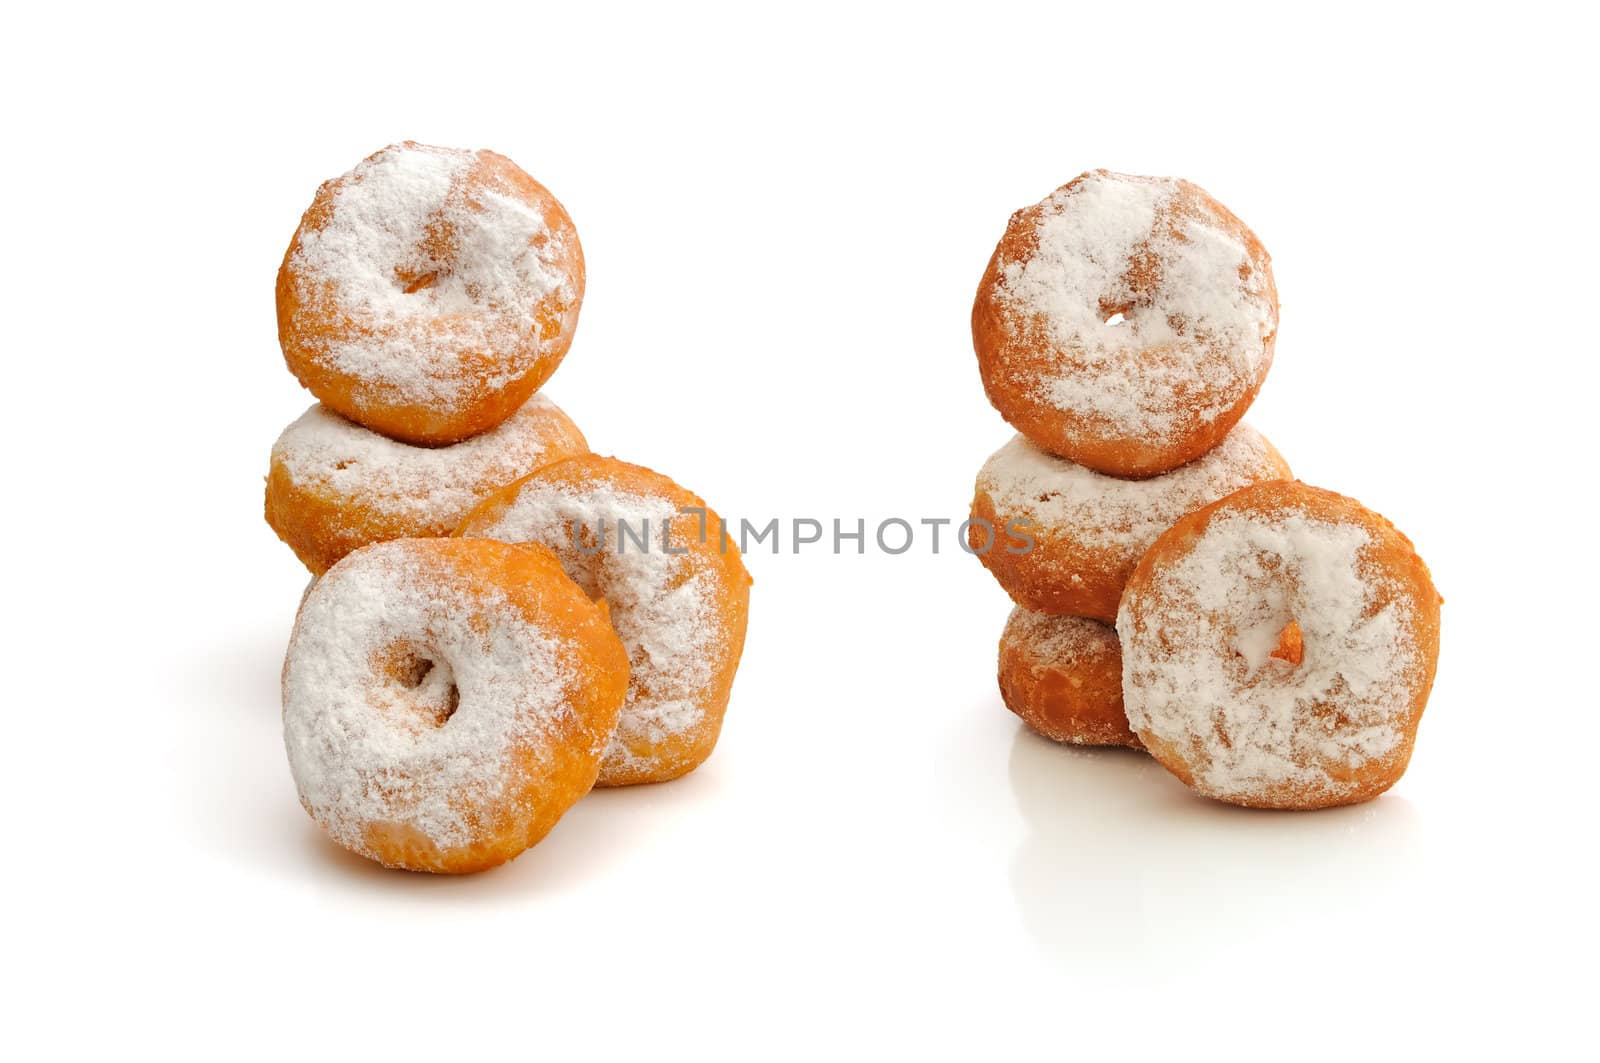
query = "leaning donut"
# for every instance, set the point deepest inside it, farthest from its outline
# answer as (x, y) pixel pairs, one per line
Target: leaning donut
(445, 701)
(1087, 530)
(334, 486)
(429, 291)
(1125, 323)
(679, 596)
(1278, 649)
(1063, 676)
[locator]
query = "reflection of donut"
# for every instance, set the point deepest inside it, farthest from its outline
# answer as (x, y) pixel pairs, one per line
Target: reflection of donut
(1125, 322)
(1063, 676)
(1108, 831)
(1279, 647)
(445, 701)
(335, 486)
(428, 292)
(678, 597)
(1089, 530)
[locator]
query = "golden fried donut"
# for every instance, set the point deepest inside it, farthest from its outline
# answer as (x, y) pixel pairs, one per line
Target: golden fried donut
(1125, 323)
(1089, 530)
(1278, 648)
(679, 597)
(1063, 676)
(445, 701)
(429, 291)
(334, 486)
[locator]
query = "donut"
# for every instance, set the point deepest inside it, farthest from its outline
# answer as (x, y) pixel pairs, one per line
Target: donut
(1125, 323)
(334, 486)
(1088, 530)
(445, 701)
(678, 593)
(1278, 649)
(1063, 676)
(429, 291)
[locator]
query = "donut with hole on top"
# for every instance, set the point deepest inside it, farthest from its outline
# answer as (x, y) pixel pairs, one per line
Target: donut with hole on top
(429, 291)
(1125, 323)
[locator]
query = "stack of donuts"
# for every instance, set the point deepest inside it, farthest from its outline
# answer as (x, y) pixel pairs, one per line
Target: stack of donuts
(1271, 644)
(499, 619)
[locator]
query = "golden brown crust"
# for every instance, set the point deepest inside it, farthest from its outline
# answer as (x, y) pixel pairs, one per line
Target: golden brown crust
(1063, 676)
(640, 754)
(322, 514)
(1016, 353)
(306, 330)
(554, 764)
(1393, 574)
(1058, 577)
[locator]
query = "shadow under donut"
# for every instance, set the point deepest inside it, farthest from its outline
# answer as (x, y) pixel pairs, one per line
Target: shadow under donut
(592, 836)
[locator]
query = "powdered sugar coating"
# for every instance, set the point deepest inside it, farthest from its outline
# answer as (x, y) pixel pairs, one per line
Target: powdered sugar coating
(424, 490)
(1058, 641)
(427, 275)
(664, 596)
(366, 749)
(1199, 677)
(1112, 515)
(1160, 310)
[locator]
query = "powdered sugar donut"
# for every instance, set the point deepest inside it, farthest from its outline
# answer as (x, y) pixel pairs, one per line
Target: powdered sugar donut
(1278, 649)
(429, 291)
(445, 701)
(1063, 676)
(334, 486)
(679, 597)
(1125, 323)
(1089, 530)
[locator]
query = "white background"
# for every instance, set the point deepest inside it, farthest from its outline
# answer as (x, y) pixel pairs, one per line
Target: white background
(785, 215)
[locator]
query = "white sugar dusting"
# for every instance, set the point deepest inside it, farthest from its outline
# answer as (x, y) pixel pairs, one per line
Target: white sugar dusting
(426, 487)
(1121, 517)
(367, 748)
(662, 604)
(1061, 642)
(429, 270)
(1198, 672)
(1144, 358)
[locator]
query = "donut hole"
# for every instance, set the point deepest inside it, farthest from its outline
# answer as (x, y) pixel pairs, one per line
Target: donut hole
(1115, 314)
(413, 281)
(1266, 636)
(421, 684)
(415, 671)
(1291, 644)
(447, 709)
